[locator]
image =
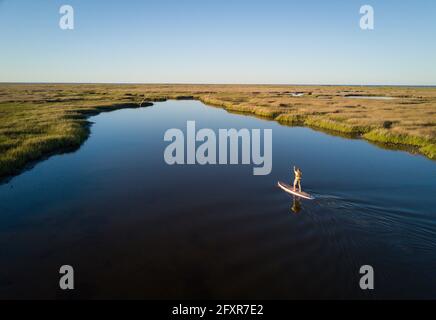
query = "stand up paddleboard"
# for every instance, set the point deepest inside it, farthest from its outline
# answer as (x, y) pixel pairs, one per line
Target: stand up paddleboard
(289, 189)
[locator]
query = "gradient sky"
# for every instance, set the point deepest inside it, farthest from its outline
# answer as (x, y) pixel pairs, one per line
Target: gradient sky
(202, 41)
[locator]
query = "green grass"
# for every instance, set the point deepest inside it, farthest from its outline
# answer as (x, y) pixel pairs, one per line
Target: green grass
(335, 125)
(291, 119)
(426, 147)
(429, 150)
(386, 136)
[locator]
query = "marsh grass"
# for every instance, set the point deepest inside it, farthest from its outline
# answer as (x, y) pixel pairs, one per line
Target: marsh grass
(39, 120)
(29, 132)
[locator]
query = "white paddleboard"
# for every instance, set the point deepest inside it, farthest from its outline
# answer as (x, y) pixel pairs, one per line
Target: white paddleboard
(289, 189)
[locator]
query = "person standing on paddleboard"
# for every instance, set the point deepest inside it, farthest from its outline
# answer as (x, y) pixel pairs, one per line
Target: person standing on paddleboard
(298, 174)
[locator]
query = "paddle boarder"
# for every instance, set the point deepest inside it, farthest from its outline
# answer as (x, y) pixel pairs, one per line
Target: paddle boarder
(298, 174)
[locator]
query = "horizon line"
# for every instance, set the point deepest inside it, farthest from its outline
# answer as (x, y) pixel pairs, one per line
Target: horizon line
(220, 84)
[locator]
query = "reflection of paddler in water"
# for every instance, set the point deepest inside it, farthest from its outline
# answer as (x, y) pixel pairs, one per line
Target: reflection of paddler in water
(298, 174)
(296, 205)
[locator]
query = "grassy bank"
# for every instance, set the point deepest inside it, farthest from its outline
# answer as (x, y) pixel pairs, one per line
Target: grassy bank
(29, 132)
(39, 120)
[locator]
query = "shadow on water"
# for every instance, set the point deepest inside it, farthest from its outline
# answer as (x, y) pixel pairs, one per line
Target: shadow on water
(296, 205)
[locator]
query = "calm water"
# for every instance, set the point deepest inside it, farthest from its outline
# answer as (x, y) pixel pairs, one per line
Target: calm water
(134, 227)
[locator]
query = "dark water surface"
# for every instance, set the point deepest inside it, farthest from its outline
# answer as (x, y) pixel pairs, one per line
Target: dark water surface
(134, 227)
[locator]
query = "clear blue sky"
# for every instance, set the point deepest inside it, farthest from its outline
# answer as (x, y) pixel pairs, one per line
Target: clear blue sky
(203, 41)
